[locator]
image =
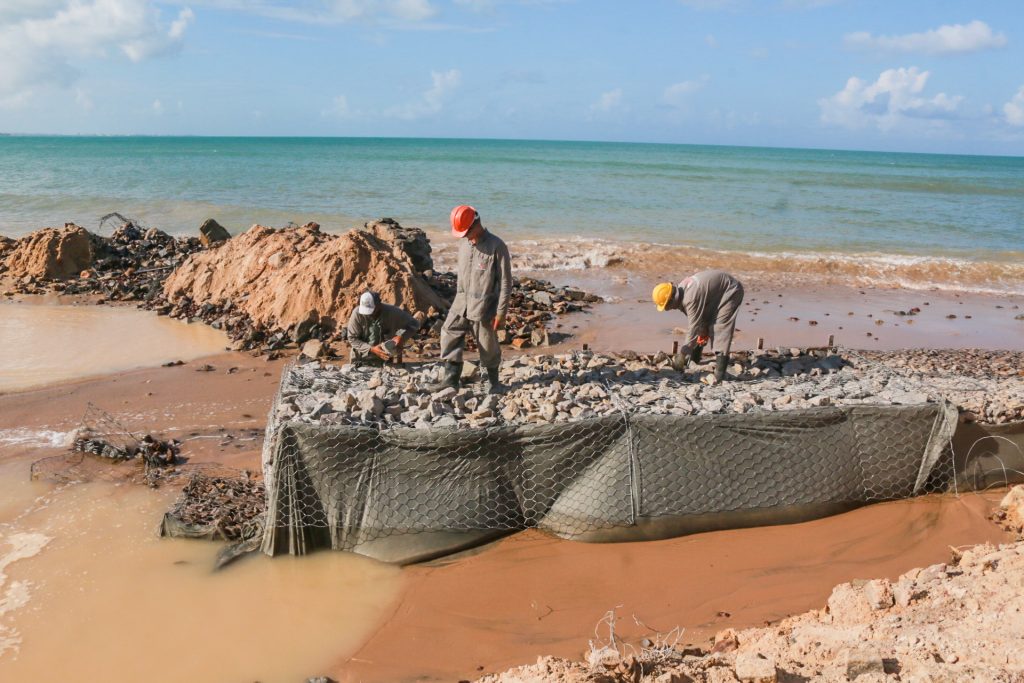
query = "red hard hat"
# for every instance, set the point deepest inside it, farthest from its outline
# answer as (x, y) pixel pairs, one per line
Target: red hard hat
(463, 217)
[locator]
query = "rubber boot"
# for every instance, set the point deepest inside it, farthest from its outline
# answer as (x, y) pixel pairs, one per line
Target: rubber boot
(721, 360)
(494, 385)
(452, 377)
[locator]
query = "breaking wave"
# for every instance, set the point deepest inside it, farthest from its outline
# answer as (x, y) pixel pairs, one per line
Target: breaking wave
(1002, 274)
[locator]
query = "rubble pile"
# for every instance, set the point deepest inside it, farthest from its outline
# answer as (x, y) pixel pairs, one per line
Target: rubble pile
(955, 621)
(225, 506)
(130, 265)
(581, 385)
(533, 304)
(269, 289)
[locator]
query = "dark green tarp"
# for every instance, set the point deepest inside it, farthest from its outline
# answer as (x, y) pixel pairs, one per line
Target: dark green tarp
(406, 495)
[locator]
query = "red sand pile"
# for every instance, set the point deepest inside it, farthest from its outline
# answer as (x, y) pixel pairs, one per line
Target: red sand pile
(278, 277)
(51, 253)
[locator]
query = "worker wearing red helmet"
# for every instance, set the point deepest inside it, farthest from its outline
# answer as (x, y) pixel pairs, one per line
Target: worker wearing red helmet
(481, 299)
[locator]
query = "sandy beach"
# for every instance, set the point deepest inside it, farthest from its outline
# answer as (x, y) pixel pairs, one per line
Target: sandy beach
(487, 610)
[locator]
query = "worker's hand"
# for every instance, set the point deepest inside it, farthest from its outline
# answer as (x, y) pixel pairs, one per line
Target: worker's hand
(702, 340)
(398, 341)
(380, 352)
(499, 322)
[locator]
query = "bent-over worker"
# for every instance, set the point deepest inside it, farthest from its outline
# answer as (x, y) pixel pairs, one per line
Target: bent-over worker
(711, 301)
(377, 331)
(482, 296)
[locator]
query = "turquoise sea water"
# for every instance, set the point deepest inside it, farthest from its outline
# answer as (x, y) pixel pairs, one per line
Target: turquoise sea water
(789, 204)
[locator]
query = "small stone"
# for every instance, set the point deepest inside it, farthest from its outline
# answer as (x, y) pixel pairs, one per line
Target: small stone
(753, 667)
(314, 348)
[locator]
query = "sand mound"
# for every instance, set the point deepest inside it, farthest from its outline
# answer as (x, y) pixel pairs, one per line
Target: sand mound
(278, 277)
(52, 253)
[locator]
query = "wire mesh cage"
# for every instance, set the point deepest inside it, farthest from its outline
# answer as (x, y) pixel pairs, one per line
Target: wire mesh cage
(588, 448)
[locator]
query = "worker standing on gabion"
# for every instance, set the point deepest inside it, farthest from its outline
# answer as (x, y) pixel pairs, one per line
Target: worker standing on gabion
(481, 299)
(377, 331)
(711, 301)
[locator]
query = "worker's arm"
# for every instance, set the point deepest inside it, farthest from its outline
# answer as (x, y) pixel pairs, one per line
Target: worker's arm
(355, 333)
(504, 267)
(405, 325)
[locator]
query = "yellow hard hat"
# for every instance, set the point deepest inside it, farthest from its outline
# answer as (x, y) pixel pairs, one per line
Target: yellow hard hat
(662, 294)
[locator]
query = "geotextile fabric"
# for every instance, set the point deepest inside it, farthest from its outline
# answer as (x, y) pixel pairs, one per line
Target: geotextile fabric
(405, 495)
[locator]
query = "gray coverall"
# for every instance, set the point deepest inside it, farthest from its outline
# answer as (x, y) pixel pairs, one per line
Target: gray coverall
(711, 301)
(366, 331)
(482, 293)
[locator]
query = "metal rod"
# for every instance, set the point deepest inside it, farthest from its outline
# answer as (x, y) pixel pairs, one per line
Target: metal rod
(831, 341)
(760, 343)
(675, 347)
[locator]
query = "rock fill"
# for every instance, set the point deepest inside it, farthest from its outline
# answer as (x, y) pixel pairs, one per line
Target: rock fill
(581, 385)
(281, 278)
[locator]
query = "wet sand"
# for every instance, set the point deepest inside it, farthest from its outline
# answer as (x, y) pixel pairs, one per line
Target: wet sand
(525, 596)
(850, 314)
(531, 595)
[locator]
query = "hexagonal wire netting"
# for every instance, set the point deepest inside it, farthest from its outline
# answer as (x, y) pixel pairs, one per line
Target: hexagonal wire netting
(634, 471)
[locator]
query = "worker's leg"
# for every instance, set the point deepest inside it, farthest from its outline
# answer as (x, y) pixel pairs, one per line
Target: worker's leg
(453, 337)
(725, 323)
(487, 340)
(490, 354)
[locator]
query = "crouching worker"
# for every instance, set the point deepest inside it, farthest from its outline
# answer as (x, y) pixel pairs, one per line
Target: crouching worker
(711, 301)
(482, 295)
(377, 331)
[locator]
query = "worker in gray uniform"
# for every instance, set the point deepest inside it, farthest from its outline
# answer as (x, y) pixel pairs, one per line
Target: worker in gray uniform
(711, 301)
(482, 296)
(377, 331)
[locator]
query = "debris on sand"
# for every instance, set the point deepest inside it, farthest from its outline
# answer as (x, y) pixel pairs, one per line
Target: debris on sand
(154, 452)
(218, 508)
(955, 621)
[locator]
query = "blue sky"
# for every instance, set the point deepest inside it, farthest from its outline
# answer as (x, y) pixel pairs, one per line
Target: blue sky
(932, 76)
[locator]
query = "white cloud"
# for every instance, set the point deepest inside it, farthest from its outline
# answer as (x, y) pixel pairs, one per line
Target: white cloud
(158, 107)
(944, 40)
(893, 99)
(678, 94)
(339, 108)
(710, 40)
(1014, 109)
(331, 11)
(41, 42)
(608, 101)
(443, 83)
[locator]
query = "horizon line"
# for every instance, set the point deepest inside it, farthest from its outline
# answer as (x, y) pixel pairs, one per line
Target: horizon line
(493, 139)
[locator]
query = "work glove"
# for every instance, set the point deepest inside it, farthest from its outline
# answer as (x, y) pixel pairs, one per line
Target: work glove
(702, 340)
(499, 322)
(380, 352)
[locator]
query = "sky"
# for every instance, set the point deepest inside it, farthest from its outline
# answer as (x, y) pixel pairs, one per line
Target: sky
(898, 75)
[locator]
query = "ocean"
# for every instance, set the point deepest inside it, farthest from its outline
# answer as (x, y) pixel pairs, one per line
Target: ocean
(914, 220)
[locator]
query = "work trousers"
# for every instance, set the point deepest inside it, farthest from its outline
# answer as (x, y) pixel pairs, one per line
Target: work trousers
(725, 322)
(453, 340)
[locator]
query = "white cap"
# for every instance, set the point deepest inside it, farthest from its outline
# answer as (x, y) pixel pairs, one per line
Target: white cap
(367, 303)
